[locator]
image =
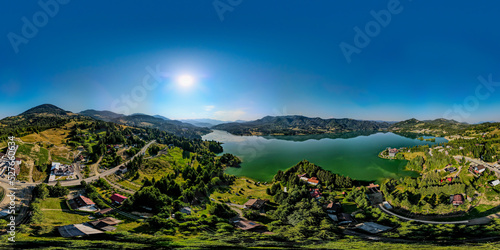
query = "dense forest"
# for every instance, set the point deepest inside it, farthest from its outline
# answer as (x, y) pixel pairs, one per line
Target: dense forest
(296, 125)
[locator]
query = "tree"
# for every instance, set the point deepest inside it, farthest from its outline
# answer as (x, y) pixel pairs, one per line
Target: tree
(221, 210)
(41, 191)
(58, 190)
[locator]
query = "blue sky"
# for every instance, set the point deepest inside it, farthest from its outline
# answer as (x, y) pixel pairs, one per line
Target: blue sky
(263, 58)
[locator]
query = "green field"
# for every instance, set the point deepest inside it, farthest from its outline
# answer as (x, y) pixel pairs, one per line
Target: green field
(240, 190)
(53, 203)
(42, 156)
(60, 159)
(25, 149)
(162, 165)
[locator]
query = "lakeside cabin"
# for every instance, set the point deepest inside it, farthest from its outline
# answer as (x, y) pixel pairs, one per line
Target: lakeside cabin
(392, 152)
(313, 180)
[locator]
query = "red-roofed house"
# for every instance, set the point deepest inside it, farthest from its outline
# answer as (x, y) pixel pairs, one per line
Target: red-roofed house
(313, 181)
(118, 198)
(315, 193)
(457, 199)
(84, 203)
(392, 152)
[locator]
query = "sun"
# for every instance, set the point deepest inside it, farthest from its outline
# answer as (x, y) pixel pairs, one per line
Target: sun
(185, 81)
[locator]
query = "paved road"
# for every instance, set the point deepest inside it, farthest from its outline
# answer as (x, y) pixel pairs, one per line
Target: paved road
(422, 221)
(480, 162)
(90, 179)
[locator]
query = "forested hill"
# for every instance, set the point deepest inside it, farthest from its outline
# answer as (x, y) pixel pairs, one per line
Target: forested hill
(106, 116)
(48, 116)
(36, 119)
(297, 125)
(46, 109)
(141, 120)
(439, 127)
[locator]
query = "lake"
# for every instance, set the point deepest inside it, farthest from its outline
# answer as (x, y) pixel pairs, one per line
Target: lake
(352, 154)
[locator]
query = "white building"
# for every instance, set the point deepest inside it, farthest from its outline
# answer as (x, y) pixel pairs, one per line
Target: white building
(59, 169)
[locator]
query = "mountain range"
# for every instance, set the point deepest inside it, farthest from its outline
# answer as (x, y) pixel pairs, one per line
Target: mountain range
(297, 125)
(49, 116)
(142, 120)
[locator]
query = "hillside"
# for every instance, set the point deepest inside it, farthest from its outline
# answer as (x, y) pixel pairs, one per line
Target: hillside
(101, 115)
(297, 125)
(46, 109)
(438, 127)
(36, 119)
(141, 120)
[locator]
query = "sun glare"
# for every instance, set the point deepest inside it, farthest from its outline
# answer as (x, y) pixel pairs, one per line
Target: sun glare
(185, 81)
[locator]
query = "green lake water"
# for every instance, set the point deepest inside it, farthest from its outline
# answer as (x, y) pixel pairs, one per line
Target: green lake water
(350, 154)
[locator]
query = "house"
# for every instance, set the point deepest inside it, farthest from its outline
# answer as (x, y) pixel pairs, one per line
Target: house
(387, 205)
(315, 193)
(88, 228)
(83, 203)
(333, 208)
(450, 170)
(494, 183)
(313, 181)
(254, 204)
(17, 169)
(303, 177)
(345, 218)
(479, 169)
(75, 230)
(392, 152)
(122, 169)
(118, 198)
(185, 210)
(372, 227)
(59, 169)
(105, 211)
(247, 225)
(105, 224)
(457, 200)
